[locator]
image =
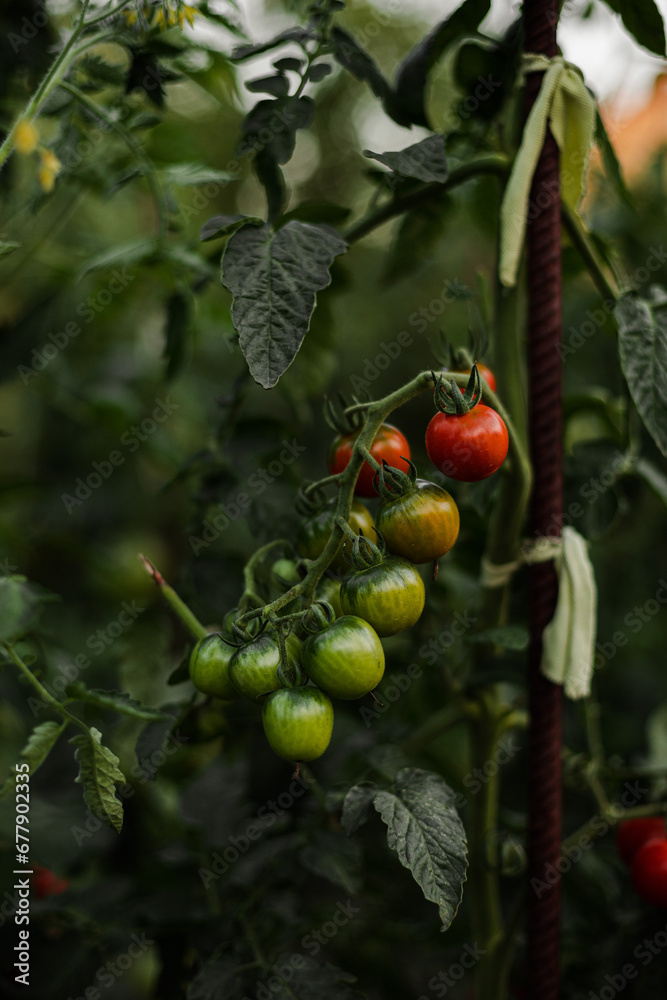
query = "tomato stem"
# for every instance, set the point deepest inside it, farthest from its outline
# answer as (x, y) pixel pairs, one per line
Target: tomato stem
(191, 622)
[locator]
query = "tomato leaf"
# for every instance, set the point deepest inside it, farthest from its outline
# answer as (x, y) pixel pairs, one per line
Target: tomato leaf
(119, 701)
(99, 773)
(312, 981)
(7, 247)
(225, 225)
(274, 278)
(276, 85)
(425, 160)
(41, 741)
(642, 330)
(424, 829)
(348, 52)
(643, 20)
(216, 980)
(357, 806)
(195, 174)
(20, 607)
(407, 102)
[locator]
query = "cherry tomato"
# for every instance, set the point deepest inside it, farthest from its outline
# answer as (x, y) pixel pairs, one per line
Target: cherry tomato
(421, 525)
(649, 872)
(46, 883)
(634, 833)
(389, 444)
(254, 667)
(209, 666)
(389, 596)
(315, 531)
(298, 722)
(346, 659)
(468, 446)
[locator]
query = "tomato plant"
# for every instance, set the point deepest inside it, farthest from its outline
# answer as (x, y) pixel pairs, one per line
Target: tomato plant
(389, 593)
(389, 445)
(253, 669)
(315, 530)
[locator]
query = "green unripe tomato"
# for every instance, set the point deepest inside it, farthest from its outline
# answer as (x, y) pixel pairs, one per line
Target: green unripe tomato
(346, 659)
(254, 667)
(421, 525)
(284, 573)
(209, 666)
(298, 722)
(389, 596)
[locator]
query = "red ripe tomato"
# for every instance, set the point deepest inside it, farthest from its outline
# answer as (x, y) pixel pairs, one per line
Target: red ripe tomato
(45, 883)
(634, 833)
(389, 444)
(468, 446)
(649, 872)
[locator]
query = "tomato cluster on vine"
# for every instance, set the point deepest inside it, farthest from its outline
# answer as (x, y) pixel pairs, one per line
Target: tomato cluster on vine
(329, 645)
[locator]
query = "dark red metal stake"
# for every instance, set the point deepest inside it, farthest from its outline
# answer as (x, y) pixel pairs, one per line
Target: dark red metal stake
(544, 333)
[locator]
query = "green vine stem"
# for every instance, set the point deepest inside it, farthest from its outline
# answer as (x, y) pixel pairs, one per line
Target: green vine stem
(52, 702)
(55, 72)
(608, 288)
(192, 624)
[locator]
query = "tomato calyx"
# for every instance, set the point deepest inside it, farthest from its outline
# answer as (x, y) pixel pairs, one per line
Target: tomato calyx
(310, 501)
(339, 420)
(319, 616)
(451, 400)
(365, 553)
(392, 483)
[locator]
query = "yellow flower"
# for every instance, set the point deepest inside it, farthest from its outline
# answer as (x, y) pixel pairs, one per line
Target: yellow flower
(172, 18)
(131, 16)
(160, 19)
(27, 137)
(49, 170)
(189, 13)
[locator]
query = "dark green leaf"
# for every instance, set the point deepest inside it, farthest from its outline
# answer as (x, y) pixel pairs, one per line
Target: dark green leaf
(134, 252)
(277, 85)
(145, 73)
(643, 19)
(507, 636)
(119, 701)
(143, 119)
(99, 773)
(407, 101)
(280, 119)
(610, 160)
(216, 980)
(288, 63)
(642, 331)
(347, 51)
(424, 829)
(357, 806)
(316, 982)
(415, 240)
(225, 225)
(242, 52)
(40, 743)
(7, 247)
(425, 160)
(318, 72)
(100, 72)
(274, 278)
(193, 174)
(179, 312)
(182, 671)
(20, 607)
